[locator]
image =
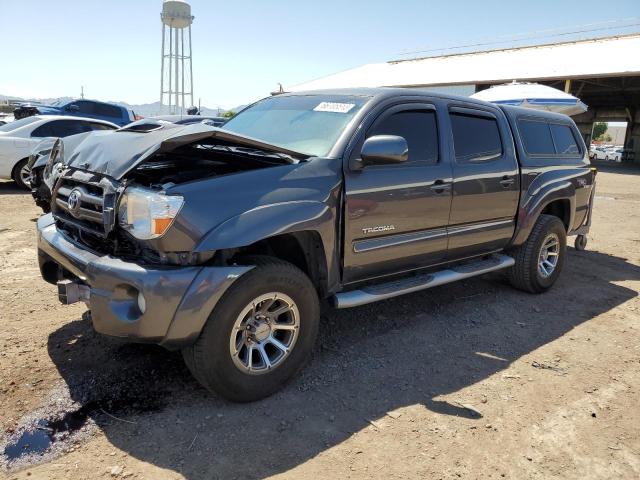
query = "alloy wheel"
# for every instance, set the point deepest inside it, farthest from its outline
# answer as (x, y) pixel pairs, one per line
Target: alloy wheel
(264, 333)
(549, 254)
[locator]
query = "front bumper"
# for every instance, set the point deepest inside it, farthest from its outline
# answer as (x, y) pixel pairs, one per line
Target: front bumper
(178, 299)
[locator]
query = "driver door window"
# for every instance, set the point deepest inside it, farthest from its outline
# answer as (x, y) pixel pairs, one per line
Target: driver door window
(418, 128)
(397, 214)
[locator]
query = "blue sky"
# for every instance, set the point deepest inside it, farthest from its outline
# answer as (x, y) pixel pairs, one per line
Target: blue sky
(243, 48)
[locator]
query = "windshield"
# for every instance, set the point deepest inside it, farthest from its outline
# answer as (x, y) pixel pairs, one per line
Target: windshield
(11, 126)
(308, 124)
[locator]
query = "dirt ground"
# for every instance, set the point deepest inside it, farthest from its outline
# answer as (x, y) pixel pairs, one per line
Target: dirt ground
(470, 380)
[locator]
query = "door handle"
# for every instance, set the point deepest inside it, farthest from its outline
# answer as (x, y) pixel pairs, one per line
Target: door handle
(507, 181)
(439, 186)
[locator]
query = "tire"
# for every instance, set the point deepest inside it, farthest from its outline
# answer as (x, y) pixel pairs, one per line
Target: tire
(210, 358)
(580, 243)
(527, 273)
(17, 174)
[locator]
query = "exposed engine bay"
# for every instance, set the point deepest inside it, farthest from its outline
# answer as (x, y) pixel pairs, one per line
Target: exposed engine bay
(198, 161)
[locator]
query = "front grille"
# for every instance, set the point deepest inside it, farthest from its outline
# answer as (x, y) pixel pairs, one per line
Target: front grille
(85, 201)
(90, 221)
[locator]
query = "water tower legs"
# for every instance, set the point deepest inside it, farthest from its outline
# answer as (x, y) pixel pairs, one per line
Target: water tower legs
(176, 58)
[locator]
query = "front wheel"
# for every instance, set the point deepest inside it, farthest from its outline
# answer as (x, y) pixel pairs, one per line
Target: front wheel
(259, 335)
(540, 259)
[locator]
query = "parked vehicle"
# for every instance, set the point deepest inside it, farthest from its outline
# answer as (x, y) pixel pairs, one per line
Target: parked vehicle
(46, 163)
(185, 119)
(599, 153)
(18, 138)
(109, 112)
(615, 155)
(5, 118)
(223, 242)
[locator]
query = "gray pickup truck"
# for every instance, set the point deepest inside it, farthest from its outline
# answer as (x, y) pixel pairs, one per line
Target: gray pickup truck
(223, 242)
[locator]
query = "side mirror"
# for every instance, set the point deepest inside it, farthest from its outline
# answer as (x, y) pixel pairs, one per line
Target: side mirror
(73, 108)
(382, 150)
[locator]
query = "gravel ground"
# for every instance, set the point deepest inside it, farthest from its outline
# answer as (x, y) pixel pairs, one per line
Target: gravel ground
(469, 380)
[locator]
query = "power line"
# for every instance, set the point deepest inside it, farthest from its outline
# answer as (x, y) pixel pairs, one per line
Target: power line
(536, 35)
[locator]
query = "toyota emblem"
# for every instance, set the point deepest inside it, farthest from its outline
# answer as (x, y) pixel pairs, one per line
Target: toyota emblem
(74, 201)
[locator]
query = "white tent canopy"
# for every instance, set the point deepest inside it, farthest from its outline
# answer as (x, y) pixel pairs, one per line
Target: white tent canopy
(533, 95)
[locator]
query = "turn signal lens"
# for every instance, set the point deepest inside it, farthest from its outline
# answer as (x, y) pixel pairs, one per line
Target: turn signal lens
(147, 214)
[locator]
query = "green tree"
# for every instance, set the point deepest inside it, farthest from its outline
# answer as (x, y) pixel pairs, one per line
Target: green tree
(229, 114)
(599, 129)
(605, 137)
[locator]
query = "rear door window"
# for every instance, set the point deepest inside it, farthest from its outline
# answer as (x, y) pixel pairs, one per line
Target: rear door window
(418, 128)
(475, 138)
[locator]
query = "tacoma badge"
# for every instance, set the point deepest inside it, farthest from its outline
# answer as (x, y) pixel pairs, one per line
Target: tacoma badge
(379, 228)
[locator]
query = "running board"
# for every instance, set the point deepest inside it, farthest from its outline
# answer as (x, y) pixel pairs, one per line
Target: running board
(383, 291)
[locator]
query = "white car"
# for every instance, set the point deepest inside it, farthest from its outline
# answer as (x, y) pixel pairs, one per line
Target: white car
(599, 153)
(18, 138)
(615, 154)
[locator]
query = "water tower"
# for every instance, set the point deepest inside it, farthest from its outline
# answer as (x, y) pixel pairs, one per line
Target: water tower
(176, 72)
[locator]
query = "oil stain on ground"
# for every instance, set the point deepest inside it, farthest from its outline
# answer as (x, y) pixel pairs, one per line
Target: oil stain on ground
(39, 438)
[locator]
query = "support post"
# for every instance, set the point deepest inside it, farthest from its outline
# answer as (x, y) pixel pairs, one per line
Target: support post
(170, 63)
(191, 66)
(182, 61)
(177, 66)
(567, 85)
(162, 69)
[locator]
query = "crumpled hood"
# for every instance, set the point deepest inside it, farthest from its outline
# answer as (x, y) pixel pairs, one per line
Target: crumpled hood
(114, 153)
(39, 159)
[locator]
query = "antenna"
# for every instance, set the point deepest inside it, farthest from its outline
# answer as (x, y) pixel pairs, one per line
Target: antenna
(176, 17)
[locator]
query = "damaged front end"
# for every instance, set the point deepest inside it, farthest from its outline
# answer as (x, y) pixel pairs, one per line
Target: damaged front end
(120, 192)
(118, 236)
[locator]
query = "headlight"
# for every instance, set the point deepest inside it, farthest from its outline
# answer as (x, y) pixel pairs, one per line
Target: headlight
(147, 214)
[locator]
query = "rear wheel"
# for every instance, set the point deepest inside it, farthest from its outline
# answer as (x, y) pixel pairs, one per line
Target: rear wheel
(540, 259)
(259, 335)
(21, 174)
(580, 243)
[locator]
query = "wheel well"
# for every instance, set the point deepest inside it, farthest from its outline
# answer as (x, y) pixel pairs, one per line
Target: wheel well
(302, 249)
(560, 209)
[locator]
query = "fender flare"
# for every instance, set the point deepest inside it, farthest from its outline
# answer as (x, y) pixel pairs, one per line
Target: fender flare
(274, 219)
(531, 209)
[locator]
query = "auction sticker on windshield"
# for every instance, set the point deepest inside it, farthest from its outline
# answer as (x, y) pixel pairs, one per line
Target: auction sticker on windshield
(334, 107)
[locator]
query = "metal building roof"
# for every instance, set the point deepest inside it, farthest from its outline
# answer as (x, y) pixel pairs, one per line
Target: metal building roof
(612, 56)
